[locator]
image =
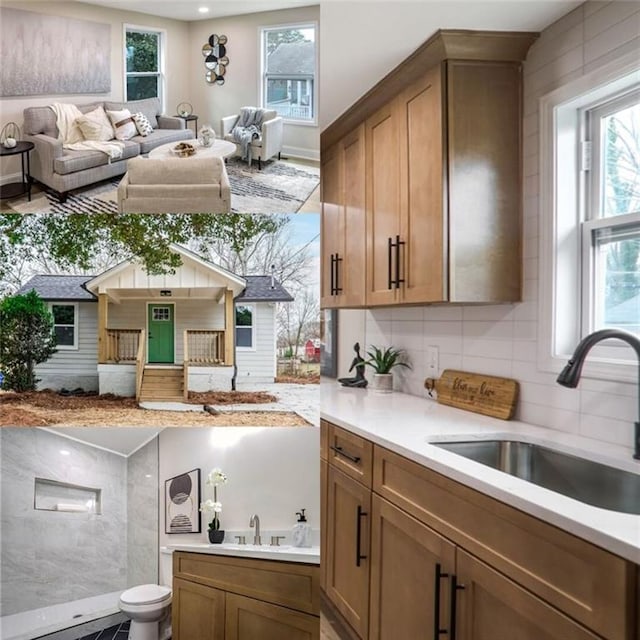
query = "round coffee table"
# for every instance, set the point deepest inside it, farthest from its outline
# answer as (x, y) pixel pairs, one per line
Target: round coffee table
(219, 149)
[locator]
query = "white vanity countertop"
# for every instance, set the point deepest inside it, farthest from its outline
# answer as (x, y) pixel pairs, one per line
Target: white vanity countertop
(407, 424)
(306, 555)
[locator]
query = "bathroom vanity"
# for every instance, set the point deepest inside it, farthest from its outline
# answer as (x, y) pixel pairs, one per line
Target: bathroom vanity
(227, 592)
(421, 542)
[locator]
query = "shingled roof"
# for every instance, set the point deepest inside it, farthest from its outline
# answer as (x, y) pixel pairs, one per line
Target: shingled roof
(259, 289)
(67, 288)
(59, 287)
(293, 58)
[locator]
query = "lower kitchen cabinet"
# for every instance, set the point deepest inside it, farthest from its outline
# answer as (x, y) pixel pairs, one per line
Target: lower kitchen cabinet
(347, 548)
(197, 611)
(410, 570)
(250, 619)
(489, 606)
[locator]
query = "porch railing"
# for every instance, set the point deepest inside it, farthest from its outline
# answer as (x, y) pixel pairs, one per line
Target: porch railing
(141, 358)
(204, 347)
(122, 344)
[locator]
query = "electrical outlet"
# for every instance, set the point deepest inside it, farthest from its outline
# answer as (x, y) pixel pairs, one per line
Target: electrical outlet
(432, 361)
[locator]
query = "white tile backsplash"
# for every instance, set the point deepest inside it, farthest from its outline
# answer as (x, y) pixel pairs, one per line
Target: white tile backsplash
(502, 339)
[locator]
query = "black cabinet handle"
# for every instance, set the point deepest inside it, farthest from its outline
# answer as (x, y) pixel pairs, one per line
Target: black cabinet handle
(342, 452)
(437, 631)
(338, 260)
(359, 515)
(398, 280)
(455, 587)
(333, 286)
(389, 276)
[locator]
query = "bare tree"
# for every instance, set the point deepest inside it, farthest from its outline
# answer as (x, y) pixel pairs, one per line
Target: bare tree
(298, 319)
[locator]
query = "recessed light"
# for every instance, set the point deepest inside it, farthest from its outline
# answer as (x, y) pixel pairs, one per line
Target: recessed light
(203, 9)
(64, 452)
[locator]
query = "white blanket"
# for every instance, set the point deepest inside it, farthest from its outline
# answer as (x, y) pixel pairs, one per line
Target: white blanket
(71, 135)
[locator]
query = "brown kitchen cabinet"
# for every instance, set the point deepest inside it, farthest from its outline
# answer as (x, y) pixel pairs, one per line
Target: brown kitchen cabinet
(236, 598)
(443, 179)
(440, 554)
(343, 223)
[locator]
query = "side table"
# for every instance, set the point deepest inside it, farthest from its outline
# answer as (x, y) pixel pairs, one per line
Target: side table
(188, 119)
(15, 189)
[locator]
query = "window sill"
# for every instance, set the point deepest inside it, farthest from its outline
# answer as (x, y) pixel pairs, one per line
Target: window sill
(300, 123)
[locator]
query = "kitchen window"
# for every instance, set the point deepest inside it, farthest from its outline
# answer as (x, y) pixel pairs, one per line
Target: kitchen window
(143, 59)
(289, 71)
(589, 258)
(245, 327)
(65, 324)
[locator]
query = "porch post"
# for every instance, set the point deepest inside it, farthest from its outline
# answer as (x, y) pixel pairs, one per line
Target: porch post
(103, 303)
(229, 328)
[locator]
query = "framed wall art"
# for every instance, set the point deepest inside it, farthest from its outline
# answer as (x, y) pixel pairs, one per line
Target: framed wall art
(182, 503)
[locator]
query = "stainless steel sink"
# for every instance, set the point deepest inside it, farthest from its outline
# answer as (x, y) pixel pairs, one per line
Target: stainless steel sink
(591, 482)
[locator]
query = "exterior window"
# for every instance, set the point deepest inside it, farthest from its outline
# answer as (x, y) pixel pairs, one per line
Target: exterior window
(143, 59)
(65, 325)
(289, 63)
(161, 314)
(244, 326)
(611, 230)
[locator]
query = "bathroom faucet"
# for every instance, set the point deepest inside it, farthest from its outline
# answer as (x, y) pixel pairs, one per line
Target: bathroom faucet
(255, 522)
(571, 373)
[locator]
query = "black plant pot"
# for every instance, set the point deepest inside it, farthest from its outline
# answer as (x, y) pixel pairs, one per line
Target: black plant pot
(216, 536)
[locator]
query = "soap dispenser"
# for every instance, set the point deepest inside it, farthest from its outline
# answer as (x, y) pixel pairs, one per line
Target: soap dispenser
(301, 534)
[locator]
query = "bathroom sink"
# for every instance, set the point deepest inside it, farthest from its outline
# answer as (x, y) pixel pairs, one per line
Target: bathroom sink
(591, 482)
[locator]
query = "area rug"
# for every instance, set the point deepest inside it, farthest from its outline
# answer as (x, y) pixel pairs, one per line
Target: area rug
(279, 187)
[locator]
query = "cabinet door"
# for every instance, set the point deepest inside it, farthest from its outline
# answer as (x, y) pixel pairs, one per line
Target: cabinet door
(332, 234)
(347, 550)
(249, 619)
(410, 570)
(197, 611)
(492, 607)
(422, 202)
(382, 204)
(324, 472)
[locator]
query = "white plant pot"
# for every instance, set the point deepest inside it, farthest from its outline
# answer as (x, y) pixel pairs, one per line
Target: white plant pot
(382, 382)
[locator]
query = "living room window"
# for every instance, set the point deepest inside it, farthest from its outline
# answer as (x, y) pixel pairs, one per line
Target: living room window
(289, 71)
(143, 58)
(590, 212)
(245, 326)
(65, 324)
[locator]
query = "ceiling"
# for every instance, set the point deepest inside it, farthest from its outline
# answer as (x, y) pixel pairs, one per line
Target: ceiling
(122, 440)
(187, 10)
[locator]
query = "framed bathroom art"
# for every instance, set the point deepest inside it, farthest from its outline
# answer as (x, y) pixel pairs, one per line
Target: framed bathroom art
(182, 503)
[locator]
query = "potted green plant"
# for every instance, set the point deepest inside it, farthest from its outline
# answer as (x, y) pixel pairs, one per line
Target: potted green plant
(216, 477)
(382, 361)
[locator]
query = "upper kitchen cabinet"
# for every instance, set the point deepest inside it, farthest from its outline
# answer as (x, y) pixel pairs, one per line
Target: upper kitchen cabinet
(442, 173)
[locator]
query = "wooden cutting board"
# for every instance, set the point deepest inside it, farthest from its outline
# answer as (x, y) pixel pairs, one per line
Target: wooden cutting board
(489, 395)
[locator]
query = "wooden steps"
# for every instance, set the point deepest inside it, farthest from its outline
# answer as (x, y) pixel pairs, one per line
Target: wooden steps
(162, 384)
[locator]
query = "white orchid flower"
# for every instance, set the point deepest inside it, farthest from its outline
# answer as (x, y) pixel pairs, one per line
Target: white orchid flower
(216, 476)
(209, 505)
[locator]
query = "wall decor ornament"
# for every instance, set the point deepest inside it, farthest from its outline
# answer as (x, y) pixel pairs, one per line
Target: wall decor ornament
(182, 501)
(215, 58)
(10, 135)
(184, 109)
(78, 55)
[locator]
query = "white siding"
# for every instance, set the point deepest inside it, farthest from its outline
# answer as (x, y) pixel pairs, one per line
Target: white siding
(189, 314)
(260, 363)
(75, 363)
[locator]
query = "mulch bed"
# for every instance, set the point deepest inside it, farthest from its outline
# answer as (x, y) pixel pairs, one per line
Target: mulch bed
(231, 397)
(48, 399)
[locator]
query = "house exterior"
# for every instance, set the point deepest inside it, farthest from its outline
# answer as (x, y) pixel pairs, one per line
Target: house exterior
(157, 337)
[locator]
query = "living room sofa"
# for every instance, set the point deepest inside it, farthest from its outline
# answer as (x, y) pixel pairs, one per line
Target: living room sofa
(175, 185)
(63, 169)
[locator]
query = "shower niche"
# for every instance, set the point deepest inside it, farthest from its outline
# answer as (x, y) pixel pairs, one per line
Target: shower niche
(52, 495)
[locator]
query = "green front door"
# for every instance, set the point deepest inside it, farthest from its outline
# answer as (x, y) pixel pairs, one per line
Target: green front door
(161, 333)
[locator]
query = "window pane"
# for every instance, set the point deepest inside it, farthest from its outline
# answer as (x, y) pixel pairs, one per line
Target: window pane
(617, 296)
(621, 161)
(244, 317)
(244, 336)
(291, 98)
(142, 51)
(63, 314)
(139, 87)
(64, 336)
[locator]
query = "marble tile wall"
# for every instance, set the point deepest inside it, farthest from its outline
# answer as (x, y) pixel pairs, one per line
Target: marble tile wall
(48, 557)
(142, 515)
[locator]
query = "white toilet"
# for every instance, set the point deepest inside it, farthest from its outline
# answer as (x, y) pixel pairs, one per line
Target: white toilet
(147, 606)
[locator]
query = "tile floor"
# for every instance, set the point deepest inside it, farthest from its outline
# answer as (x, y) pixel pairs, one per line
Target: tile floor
(117, 632)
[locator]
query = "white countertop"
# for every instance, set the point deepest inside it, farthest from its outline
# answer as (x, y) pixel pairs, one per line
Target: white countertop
(285, 553)
(407, 424)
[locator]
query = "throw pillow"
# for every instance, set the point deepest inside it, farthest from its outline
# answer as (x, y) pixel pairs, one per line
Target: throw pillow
(95, 125)
(123, 124)
(142, 124)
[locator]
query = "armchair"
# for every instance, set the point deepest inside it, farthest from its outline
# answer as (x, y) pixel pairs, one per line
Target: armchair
(268, 144)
